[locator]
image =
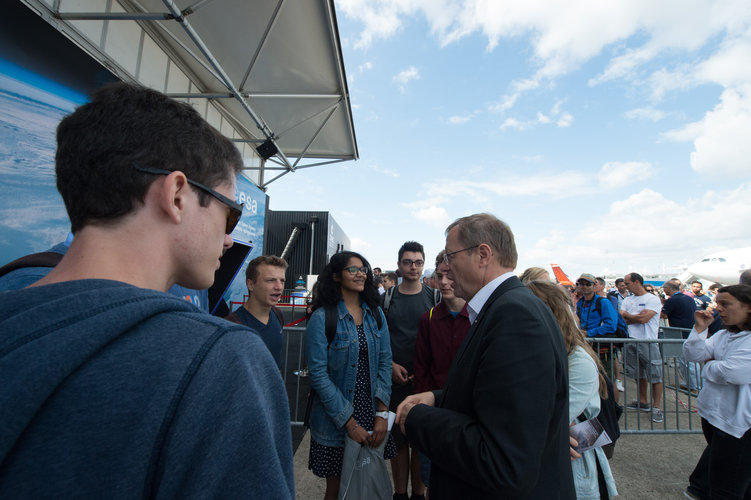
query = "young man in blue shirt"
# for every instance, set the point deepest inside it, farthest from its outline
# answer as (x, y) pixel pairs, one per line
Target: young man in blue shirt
(264, 278)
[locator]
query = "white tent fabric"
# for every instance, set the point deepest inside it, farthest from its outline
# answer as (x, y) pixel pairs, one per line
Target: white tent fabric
(258, 70)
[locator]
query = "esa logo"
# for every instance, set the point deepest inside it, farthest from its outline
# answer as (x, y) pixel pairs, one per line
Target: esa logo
(251, 205)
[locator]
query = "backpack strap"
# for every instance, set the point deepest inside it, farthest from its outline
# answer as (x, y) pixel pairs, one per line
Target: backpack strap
(387, 299)
(41, 259)
(279, 315)
(233, 317)
(330, 323)
(436, 296)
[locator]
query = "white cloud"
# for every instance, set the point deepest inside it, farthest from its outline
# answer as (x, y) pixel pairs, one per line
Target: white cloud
(405, 76)
(561, 119)
(554, 184)
(565, 120)
(721, 138)
(648, 232)
(367, 66)
(614, 174)
(360, 245)
(384, 171)
(462, 119)
(433, 216)
(651, 114)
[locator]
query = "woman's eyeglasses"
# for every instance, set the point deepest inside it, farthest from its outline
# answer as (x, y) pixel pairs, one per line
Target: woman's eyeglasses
(354, 269)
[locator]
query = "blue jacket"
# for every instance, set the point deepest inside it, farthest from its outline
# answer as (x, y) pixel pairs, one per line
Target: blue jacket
(333, 368)
(113, 391)
(597, 323)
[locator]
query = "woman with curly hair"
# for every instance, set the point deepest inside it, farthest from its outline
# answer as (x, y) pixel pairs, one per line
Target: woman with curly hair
(351, 372)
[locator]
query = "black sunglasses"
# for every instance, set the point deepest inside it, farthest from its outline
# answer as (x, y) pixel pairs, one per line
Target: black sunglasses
(235, 209)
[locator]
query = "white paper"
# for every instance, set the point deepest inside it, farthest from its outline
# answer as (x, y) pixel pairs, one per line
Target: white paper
(589, 434)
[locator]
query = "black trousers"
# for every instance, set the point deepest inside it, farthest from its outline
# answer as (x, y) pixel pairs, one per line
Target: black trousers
(724, 469)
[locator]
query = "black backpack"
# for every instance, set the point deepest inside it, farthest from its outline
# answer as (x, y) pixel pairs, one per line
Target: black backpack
(621, 328)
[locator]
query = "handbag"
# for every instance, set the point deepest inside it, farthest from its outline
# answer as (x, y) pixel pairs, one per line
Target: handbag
(364, 473)
(308, 407)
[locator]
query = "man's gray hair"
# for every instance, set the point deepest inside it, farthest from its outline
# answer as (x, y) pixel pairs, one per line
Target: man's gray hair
(473, 230)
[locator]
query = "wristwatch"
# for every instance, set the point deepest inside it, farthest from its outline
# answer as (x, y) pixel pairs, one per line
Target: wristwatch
(383, 414)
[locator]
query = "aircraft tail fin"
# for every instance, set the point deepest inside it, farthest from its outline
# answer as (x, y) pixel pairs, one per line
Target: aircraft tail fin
(560, 276)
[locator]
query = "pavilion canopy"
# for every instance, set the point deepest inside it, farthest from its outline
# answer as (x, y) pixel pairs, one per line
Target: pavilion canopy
(261, 71)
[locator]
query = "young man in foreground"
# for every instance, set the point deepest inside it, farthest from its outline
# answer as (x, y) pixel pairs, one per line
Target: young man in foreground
(111, 387)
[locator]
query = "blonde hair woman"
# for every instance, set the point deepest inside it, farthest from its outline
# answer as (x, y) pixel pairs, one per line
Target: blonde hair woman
(586, 385)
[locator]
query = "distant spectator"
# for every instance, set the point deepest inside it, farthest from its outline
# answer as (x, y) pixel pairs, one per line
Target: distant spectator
(389, 280)
(679, 308)
(745, 277)
(533, 274)
(643, 362)
(701, 299)
(600, 287)
(377, 271)
(378, 283)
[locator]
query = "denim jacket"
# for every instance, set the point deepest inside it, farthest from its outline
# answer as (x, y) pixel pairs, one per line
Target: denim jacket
(332, 369)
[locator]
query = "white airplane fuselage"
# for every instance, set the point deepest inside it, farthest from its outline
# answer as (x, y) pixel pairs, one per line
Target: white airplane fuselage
(722, 267)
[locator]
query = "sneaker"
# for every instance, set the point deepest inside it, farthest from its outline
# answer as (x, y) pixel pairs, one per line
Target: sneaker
(657, 416)
(619, 385)
(637, 405)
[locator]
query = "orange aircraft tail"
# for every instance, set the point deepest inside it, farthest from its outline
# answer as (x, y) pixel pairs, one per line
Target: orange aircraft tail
(560, 276)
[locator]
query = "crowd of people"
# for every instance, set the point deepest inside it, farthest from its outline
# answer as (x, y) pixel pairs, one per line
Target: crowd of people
(112, 387)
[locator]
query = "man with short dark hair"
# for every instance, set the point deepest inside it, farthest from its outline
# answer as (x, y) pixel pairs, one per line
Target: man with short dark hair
(147, 396)
(643, 362)
(499, 428)
(679, 308)
(264, 278)
(745, 277)
(701, 299)
(403, 305)
(389, 280)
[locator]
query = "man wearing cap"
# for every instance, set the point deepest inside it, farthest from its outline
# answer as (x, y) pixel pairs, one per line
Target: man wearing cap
(596, 315)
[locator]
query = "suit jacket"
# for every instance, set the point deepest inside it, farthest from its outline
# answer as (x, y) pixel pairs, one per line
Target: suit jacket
(499, 428)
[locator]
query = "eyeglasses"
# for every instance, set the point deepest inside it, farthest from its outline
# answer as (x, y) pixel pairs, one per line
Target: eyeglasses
(449, 255)
(354, 269)
(584, 283)
(235, 209)
(410, 263)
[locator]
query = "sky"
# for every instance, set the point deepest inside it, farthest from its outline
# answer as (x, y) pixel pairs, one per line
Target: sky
(610, 136)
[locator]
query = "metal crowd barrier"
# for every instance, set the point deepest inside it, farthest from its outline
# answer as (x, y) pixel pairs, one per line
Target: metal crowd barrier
(295, 372)
(681, 383)
(678, 403)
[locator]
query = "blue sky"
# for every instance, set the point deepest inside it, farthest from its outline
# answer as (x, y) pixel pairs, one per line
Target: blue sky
(611, 136)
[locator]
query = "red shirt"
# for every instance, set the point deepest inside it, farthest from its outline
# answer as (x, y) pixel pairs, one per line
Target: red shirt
(438, 340)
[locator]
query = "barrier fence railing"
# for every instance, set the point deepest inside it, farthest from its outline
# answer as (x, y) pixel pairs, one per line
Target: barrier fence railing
(681, 382)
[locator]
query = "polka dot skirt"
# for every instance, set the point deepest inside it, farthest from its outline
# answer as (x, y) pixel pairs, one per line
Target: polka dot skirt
(326, 461)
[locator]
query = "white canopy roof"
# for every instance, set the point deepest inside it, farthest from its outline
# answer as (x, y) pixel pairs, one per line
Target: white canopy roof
(258, 70)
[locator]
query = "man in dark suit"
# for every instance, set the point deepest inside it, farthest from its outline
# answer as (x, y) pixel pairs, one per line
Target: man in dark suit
(499, 427)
